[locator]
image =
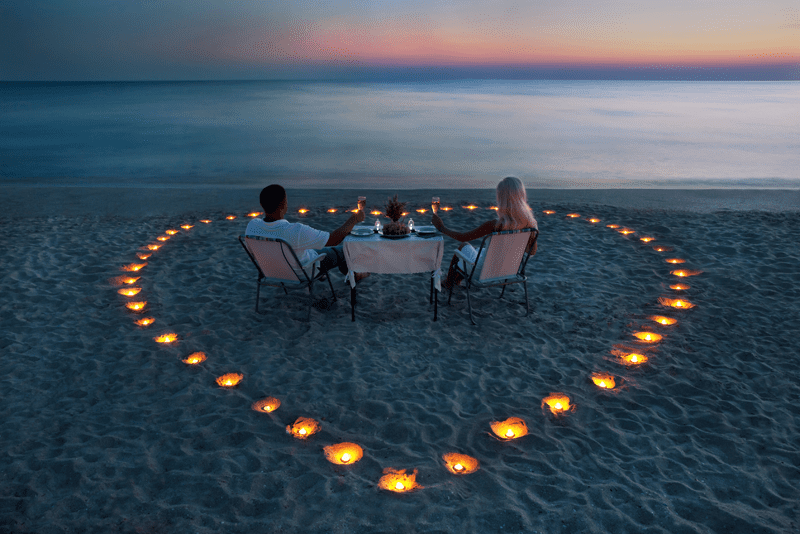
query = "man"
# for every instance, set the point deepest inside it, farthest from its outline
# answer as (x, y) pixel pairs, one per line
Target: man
(307, 242)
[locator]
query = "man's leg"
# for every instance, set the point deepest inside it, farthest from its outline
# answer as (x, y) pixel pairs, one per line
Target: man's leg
(334, 257)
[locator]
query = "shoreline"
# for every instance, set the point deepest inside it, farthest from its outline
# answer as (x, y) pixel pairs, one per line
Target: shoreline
(43, 200)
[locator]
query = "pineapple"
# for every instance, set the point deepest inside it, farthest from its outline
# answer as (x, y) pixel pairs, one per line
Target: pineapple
(394, 210)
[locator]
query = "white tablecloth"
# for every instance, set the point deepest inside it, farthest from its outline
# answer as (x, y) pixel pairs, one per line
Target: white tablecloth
(376, 254)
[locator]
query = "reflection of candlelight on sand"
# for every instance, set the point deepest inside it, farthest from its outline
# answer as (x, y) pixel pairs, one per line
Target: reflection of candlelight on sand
(343, 453)
(145, 321)
(129, 291)
(134, 267)
(629, 358)
(229, 380)
(675, 303)
(166, 338)
(648, 337)
(675, 260)
(603, 380)
(195, 358)
(548, 212)
(646, 239)
(266, 405)
(136, 306)
(558, 403)
(171, 232)
(303, 428)
(660, 319)
(685, 272)
(460, 464)
(398, 480)
(679, 287)
(143, 255)
(511, 428)
(573, 215)
(662, 249)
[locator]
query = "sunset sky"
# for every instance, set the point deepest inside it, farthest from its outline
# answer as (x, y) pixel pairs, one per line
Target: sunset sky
(377, 39)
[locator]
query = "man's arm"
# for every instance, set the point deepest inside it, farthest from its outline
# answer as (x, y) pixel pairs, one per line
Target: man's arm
(338, 235)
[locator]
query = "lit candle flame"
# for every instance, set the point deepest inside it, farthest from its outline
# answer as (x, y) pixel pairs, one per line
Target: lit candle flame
(302, 210)
(171, 232)
(679, 287)
(399, 486)
(375, 212)
(303, 428)
(153, 247)
(205, 221)
(558, 403)
(458, 467)
(229, 379)
(143, 255)
(511, 428)
(166, 338)
(446, 208)
(625, 231)
(548, 212)
(648, 337)
(397, 480)
(675, 260)
(603, 380)
(421, 210)
(679, 303)
(343, 453)
(470, 207)
(302, 431)
(254, 214)
(188, 226)
(163, 238)
(646, 239)
(129, 291)
(195, 358)
(460, 464)
(612, 226)
(231, 217)
(332, 210)
(573, 215)
(147, 321)
(594, 220)
(136, 306)
(269, 404)
(663, 320)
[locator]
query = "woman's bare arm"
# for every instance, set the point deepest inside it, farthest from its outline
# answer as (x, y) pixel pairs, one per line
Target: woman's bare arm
(481, 231)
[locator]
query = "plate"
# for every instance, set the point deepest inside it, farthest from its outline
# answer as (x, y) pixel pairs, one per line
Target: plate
(401, 236)
(425, 229)
(361, 231)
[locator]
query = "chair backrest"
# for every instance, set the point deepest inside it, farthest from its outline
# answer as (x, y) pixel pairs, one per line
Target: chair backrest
(273, 257)
(503, 254)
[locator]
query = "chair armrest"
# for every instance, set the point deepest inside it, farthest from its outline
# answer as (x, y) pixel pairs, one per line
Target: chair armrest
(315, 260)
(462, 257)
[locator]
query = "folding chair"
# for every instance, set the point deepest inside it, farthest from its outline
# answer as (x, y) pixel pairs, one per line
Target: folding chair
(506, 255)
(278, 266)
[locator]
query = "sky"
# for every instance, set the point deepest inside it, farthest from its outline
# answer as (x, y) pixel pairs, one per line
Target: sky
(94, 40)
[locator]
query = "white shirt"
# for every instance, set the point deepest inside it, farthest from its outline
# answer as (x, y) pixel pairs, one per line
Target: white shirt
(301, 237)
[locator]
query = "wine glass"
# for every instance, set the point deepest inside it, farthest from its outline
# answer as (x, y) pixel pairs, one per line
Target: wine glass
(362, 202)
(435, 204)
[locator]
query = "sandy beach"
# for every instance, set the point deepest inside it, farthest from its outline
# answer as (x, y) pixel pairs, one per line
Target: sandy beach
(106, 430)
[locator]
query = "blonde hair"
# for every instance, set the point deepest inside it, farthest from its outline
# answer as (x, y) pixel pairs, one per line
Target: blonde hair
(513, 212)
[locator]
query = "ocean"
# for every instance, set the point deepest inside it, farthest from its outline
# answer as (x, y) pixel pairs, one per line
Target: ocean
(451, 134)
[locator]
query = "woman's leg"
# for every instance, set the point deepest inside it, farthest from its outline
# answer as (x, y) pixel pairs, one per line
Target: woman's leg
(453, 277)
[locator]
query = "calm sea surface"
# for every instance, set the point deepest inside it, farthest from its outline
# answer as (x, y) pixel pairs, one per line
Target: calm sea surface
(452, 134)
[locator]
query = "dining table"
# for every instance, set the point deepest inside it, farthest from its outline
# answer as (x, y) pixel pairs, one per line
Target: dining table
(367, 251)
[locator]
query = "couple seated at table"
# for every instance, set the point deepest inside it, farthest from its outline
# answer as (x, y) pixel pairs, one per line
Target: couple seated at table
(513, 213)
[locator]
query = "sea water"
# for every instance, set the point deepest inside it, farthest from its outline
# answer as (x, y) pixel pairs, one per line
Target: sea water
(457, 134)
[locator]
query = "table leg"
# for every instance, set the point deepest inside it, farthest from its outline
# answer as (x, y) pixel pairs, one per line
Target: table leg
(353, 304)
(436, 306)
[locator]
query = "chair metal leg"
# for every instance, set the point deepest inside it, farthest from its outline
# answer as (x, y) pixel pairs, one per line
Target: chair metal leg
(469, 307)
(527, 308)
(258, 293)
(352, 304)
(436, 307)
(310, 299)
(501, 293)
(450, 295)
(328, 276)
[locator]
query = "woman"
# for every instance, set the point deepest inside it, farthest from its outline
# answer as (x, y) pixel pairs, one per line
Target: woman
(513, 213)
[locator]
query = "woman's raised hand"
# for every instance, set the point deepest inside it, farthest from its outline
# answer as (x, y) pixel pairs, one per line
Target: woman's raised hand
(437, 221)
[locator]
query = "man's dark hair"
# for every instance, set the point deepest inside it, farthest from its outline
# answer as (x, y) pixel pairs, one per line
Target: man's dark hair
(271, 197)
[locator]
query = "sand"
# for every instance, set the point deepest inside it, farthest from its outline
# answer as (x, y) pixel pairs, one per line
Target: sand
(105, 430)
